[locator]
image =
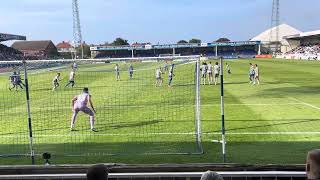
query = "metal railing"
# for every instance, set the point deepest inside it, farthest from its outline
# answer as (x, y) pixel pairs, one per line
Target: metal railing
(172, 175)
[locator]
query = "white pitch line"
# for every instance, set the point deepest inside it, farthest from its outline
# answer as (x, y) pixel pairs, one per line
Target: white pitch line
(183, 133)
(135, 106)
(307, 104)
(252, 104)
(268, 133)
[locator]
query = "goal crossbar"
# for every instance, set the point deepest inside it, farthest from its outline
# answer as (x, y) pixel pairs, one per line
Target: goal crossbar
(191, 58)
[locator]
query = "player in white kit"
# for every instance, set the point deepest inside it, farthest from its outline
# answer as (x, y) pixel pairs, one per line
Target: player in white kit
(158, 77)
(216, 71)
(210, 75)
(55, 82)
(71, 79)
(204, 72)
(228, 68)
(80, 103)
(117, 69)
(251, 73)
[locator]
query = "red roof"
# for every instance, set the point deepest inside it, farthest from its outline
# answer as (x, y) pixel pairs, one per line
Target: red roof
(64, 45)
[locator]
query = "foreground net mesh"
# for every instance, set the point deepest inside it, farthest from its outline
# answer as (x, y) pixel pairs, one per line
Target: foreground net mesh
(134, 116)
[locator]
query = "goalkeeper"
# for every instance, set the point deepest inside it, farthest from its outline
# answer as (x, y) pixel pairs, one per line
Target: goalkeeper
(79, 103)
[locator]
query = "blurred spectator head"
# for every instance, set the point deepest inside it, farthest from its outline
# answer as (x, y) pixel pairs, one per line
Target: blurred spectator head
(210, 175)
(313, 164)
(97, 172)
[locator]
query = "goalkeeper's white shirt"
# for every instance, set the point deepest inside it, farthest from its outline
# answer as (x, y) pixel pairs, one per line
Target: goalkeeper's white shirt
(82, 100)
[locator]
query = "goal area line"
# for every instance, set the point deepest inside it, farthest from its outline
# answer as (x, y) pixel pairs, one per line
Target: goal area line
(173, 105)
(182, 133)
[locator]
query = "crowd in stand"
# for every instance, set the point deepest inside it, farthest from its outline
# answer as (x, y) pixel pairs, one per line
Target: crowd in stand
(307, 50)
(10, 54)
(7, 53)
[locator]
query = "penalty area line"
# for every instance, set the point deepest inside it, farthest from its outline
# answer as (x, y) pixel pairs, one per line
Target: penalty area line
(307, 104)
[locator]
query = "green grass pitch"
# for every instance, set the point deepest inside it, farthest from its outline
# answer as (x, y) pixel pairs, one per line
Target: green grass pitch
(275, 122)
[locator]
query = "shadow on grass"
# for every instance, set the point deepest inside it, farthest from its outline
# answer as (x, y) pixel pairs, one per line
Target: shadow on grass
(237, 152)
(135, 124)
(292, 90)
(288, 122)
(247, 82)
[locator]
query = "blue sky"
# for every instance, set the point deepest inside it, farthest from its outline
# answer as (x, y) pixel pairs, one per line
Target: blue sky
(155, 21)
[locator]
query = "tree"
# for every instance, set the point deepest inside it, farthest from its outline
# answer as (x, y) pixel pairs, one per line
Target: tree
(106, 44)
(223, 40)
(182, 42)
(120, 42)
(195, 41)
(86, 50)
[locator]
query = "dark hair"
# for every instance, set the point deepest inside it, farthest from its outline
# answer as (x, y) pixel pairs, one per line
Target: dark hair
(86, 89)
(250, 63)
(97, 172)
(210, 175)
(312, 164)
(217, 63)
(58, 74)
(256, 64)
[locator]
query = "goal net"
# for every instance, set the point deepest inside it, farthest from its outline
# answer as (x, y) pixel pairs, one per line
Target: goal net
(140, 107)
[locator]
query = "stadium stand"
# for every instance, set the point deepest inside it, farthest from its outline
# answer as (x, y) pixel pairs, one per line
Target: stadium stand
(305, 46)
(8, 37)
(284, 30)
(306, 50)
(7, 53)
(38, 49)
(229, 50)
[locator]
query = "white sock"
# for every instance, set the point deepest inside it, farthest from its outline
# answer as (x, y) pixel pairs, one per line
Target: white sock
(73, 119)
(92, 122)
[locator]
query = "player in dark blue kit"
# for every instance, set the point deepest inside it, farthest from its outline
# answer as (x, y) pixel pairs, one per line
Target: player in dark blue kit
(131, 71)
(171, 75)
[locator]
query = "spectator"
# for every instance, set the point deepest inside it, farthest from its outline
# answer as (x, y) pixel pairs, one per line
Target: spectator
(97, 172)
(306, 50)
(210, 175)
(10, 54)
(313, 164)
